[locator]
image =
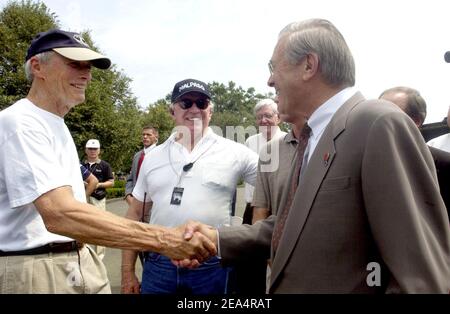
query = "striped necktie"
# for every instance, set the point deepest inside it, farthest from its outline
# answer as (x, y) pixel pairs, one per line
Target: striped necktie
(283, 213)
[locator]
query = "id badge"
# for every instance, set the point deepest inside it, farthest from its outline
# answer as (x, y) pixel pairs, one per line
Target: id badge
(177, 195)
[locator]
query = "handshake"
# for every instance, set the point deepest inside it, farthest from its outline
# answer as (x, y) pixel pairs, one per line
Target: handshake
(187, 246)
(190, 244)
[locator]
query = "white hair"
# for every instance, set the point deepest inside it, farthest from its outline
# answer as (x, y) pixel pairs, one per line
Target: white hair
(266, 102)
(43, 57)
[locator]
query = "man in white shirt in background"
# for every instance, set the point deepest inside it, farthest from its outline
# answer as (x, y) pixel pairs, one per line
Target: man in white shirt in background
(250, 275)
(267, 119)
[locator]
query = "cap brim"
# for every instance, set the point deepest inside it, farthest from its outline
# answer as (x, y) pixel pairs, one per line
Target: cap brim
(85, 54)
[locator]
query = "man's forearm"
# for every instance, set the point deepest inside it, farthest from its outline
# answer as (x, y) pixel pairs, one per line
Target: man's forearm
(129, 260)
(105, 185)
(91, 184)
(62, 214)
(260, 213)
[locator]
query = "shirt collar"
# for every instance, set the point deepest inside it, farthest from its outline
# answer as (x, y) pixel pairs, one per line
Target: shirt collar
(274, 135)
(322, 116)
(207, 136)
(148, 149)
(90, 162)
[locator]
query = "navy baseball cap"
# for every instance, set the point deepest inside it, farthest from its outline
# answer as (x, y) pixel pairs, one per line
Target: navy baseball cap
(69, 45)
(188, 86)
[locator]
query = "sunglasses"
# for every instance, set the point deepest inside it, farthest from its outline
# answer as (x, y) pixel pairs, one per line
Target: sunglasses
(201, 103)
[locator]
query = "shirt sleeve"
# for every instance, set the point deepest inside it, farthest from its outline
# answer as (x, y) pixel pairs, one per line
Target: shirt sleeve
(261, 196)
(108, 172)
(249, 164)
(85, 173)
(32, 168)
(405, 211)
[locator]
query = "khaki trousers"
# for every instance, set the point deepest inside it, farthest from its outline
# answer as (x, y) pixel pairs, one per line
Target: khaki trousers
(100, 204)
(73, 272)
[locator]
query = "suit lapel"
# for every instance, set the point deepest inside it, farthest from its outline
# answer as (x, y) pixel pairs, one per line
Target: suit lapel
(314, 175)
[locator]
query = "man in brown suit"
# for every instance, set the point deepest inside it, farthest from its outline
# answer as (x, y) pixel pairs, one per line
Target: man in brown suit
(367, 216)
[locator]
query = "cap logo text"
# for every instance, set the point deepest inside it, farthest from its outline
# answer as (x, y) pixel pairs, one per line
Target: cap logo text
(191, 84)
(80, 40)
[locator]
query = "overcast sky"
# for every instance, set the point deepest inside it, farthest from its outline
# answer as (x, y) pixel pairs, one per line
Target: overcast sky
(159, 42)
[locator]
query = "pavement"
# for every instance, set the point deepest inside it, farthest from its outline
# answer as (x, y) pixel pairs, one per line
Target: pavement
(113, 257)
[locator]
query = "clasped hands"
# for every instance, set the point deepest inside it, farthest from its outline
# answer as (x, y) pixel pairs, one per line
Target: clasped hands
(199, 243)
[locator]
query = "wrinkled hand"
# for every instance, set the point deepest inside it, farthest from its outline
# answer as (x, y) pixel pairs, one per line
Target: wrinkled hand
(130, 283)
(177, 246)
(192, 228)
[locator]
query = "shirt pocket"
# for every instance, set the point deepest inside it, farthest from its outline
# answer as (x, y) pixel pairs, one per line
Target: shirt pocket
(219, 176)
(336, 184)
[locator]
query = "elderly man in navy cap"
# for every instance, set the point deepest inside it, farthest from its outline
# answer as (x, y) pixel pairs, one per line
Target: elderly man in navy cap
(44, 218)
(192, 175)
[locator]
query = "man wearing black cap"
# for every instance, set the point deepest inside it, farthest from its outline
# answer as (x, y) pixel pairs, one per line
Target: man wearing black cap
(44, 218)
(192, 175)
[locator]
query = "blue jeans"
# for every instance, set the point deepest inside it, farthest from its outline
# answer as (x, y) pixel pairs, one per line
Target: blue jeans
(160, 276)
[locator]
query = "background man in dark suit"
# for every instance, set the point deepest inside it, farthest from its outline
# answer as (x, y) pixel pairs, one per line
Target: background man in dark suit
(367, 216)
(149, 140)
(413, 104)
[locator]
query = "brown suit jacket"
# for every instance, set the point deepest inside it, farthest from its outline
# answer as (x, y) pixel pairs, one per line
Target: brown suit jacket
(374, 199)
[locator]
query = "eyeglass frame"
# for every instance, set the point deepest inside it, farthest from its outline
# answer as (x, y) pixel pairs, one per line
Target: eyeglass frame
(266, 115)
(270, 64)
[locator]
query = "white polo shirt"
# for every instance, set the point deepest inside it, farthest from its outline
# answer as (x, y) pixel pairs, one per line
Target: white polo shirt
(37, 154)
(208, 187)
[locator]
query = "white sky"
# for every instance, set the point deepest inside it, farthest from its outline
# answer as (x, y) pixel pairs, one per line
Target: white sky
(159, 42)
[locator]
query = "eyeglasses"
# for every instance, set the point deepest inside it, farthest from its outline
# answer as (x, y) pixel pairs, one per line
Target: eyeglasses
(266, 115)
(270, 67)
(201, 103)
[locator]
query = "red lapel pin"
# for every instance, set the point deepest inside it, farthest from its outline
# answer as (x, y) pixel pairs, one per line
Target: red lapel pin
(326, 157)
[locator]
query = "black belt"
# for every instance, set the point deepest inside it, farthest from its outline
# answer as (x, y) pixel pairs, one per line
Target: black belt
(48, 248)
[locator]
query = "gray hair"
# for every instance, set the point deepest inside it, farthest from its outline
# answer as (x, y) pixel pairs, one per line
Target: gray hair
(416, 107)
(322, 38)
(43, 57)
(266, 102)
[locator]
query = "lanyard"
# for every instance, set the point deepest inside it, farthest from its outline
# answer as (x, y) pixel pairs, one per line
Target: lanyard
(189, 165)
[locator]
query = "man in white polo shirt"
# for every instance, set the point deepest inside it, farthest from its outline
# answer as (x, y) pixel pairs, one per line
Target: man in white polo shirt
(192, 175)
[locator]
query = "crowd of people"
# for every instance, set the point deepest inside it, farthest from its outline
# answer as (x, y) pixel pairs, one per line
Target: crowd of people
(350, 200)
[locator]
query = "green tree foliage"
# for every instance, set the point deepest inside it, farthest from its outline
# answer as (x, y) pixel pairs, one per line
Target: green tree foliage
(19, 23)
(159, 117)
(110, 112)
(233, 105)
